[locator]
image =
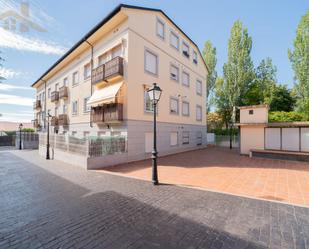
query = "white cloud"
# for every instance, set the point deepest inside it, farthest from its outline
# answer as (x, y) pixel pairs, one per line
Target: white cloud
(16, 41)
(16, 117)
(8, 73)
(15, 100)
(9, 87)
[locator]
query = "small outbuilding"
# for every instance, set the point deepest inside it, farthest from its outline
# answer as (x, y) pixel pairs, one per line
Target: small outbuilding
(260, 138)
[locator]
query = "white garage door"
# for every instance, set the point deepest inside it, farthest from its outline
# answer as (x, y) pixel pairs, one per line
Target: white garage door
(272, 139)
(290, 139)
(148, 142)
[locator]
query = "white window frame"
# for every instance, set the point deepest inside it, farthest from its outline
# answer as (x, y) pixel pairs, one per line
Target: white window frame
(182, 108)
(199, 82)
(49, 92)
(156, 73)
(75, 80)
(183, 83)
(185, 137)
(86, 107)
(177, 76)
(185, 44)
(172, 33)
(64, 109)
(74, 113)
(195, 60)
(197, 108)
(65, 81)
(160, 22)
(171, 111)
(87, 71)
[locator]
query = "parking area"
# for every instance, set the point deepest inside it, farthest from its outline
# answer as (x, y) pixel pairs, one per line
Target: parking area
(224, 170)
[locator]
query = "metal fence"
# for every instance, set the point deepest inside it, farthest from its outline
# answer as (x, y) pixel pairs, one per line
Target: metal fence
(224, 141)
(7, 140)
(92, 146)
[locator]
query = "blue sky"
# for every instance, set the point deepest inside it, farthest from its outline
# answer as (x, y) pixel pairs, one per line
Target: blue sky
(272, 25)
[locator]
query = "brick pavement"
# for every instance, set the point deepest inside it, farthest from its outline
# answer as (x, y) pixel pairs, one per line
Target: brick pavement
(220, 169)
(48, 204)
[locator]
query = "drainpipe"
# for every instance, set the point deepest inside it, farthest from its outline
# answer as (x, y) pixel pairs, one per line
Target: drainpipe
(45, 103)
(91, 67)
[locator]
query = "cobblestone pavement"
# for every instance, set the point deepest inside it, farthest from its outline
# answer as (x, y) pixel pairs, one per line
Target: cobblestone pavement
(48, 204)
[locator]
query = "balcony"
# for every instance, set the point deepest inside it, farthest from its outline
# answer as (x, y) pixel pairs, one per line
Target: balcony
(36, 124)
(54, 96)
(63, 119)
(54, 121)
(37, 104)
(107, 71)
(108, 113)
(63, 92)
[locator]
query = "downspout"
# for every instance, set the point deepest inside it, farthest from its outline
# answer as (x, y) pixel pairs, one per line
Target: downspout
(45, 103)
(91, 67)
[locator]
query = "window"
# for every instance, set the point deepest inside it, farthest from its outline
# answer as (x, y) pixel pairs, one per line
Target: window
(116, 51)
(185, 137)
(74, 133)
(174, 40)
(160, 29)
(151, 62)
(86, 106)
(56, 87)
(147, 101)
(103, 59)
(185, 49)
(174, 138)
(185, 108)
(87, 71)
(199, 87)
(48, 92)
(185, 79)
(251, 112)
(65, 81)
(56, 111)
(75, 78)
(174, 105)
(174, 73)
(198, 113)
(194, 57)
(199, 138)
(64, 109)
(43, 96)
(74, 107)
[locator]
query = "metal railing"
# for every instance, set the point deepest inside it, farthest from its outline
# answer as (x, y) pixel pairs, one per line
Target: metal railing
(107, 113)
(37, 104)
(63, 92)
(54, 96)
(92, 146)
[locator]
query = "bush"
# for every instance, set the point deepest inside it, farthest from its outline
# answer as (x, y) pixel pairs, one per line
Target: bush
(224, 132)
(287, 117)
(27, 130)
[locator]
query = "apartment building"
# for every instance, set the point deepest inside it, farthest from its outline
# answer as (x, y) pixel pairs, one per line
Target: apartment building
(99, 87)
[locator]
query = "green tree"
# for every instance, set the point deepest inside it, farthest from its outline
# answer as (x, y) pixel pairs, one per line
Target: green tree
(238, 71)
(260, 91)
(210, 57)
(299, 58)
(282, 99)
(222, 101)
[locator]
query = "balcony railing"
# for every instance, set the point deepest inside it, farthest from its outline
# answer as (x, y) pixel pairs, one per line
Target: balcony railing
(37, 104)
(54, 96)
(108, 70)
(54, 121)
(36, 124)
(63, 119)
(63, 92)
(107, 113)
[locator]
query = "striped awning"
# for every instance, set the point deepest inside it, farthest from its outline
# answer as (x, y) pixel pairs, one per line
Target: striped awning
(105, 95)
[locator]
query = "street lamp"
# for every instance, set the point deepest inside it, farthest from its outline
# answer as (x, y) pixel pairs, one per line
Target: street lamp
(20, 128)
(154, 95)
(47, 145)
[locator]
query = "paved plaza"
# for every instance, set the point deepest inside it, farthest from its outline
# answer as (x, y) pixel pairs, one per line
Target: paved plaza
(49, 204)
(224, 170)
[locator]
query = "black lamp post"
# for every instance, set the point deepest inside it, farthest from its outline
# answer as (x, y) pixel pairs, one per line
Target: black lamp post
(155, 95)
(47, 144)
(20, 128)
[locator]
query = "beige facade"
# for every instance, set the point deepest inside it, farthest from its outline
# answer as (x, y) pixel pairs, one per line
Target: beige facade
(135, 47)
